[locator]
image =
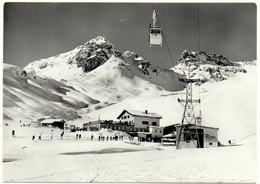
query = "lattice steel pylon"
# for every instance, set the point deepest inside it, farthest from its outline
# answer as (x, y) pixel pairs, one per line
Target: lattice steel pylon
(188, 117)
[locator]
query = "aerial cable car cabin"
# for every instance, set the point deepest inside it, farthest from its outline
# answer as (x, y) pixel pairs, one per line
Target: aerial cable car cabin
(155, 33)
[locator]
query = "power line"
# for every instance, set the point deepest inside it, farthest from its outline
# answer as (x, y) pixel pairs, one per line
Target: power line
(198, 27)
(164, 37)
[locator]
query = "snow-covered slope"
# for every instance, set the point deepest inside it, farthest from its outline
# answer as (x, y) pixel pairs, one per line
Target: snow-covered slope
(110, 83)
(28, 96)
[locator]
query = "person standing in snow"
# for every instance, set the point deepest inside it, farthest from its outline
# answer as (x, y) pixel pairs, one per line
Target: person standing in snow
(33, 137)
(51, 134)
(62, 134)
(79, 136)
(40, 136)
(91, 137)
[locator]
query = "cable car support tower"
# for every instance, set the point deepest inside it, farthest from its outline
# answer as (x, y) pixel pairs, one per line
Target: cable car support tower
(189, 117)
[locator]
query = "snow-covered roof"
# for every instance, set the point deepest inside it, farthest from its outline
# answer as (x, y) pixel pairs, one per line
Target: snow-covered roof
(52, 120)
(199, 126)
(169, 135)
(141, 113)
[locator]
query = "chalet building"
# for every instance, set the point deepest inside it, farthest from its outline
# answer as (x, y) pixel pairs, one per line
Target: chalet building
(136, 123)
(197, 136)
(141, 120)
(53, 123)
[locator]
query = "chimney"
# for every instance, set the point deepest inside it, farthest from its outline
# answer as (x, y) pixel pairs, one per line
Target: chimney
(146, 111)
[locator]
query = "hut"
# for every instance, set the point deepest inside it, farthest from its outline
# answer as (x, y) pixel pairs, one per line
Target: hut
(53, 123)
(169, 139)
(197, 136)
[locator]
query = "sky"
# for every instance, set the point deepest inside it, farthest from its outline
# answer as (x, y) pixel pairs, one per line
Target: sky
(33, 31)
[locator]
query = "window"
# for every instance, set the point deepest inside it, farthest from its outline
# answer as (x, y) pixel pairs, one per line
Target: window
(155, 31)
(128, 116)
(160, 131)
(155, 131)
(154, 123)
(210, 143)
(145, 122)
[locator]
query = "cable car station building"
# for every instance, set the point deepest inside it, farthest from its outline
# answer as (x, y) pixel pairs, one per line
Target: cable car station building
(197, 136)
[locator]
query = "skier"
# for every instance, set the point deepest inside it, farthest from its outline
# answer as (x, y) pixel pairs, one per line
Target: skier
(33, 137)
(91, 137)
(79, 136)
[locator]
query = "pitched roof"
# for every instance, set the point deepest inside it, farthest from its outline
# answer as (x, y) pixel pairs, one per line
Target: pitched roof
(141, 113)
(52, 120)
(169, 135)
(198, 126)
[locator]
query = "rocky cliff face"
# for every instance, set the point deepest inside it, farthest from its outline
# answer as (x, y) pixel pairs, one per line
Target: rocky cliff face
(204, 57)
(94, 53)
(206, 66)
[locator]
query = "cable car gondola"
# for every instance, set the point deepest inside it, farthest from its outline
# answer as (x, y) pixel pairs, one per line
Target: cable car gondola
(155, 33)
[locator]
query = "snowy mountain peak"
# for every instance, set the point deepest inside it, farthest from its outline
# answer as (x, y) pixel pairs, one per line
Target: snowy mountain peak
(206, 66)
(99, 40)
(204, 57)
(94, 53)
(98, 61)
(133, 55)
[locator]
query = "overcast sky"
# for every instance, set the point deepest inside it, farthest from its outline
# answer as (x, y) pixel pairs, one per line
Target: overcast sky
(34, 31)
